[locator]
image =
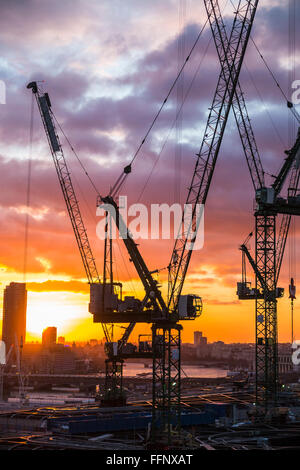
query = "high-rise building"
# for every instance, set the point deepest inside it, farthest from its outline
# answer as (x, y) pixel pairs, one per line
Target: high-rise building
(14, 314)
(197, 337)
(49, 336)
(61, 340)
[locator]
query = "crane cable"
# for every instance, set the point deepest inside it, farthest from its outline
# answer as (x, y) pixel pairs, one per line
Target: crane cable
(119, 182)
(121, 179)
(181, 51)
(28, 190)
(75, 153)
(288, 102)
(291, 138)
(175, 119)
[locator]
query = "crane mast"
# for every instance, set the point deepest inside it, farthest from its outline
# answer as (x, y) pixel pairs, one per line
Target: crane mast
(269, 253)
(268, 262)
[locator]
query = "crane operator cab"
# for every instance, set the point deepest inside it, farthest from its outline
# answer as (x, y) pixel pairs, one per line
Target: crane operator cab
(107, 306)
(245, 291)
(264, 197)
(189, 307)
(102, 298)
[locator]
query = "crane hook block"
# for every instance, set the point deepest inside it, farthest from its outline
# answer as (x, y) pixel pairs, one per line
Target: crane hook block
(127, 169)
(33, 85)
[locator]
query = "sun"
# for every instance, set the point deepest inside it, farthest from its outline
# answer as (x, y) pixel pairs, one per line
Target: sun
(59, 309)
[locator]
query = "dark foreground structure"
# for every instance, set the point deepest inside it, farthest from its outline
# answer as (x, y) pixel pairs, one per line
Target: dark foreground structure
(218, 417)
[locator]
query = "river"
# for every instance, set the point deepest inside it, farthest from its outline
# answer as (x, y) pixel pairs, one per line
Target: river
(131, 369)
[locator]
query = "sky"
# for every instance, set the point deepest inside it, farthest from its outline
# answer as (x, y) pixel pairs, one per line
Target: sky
(107, 67)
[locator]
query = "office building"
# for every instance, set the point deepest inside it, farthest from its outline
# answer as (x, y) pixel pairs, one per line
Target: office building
(49, 336)
(199, 339)
(14, 314)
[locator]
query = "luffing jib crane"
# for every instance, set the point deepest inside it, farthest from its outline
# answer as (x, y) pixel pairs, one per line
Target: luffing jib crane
(166, 330)
(267, 264)
(269, 251)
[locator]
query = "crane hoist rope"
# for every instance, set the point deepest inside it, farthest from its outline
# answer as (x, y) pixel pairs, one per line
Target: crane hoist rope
(76, 154)
(288, 102)
(174, 120)
(127, 169)
(28, 190)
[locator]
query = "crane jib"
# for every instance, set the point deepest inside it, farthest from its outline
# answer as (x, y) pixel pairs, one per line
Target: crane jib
(48, 121)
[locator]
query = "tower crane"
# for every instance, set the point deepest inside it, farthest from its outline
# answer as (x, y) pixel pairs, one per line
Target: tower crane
(166, 328)
(164, 316)
(269, 253)
(269, 262)
(197, 194)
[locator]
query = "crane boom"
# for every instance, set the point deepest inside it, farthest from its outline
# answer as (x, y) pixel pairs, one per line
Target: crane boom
(68, 191)
(150, 286)
(245, 250)
(268, 259)
(292, 157)
(213, 135)
(286, 219)
(66, 184)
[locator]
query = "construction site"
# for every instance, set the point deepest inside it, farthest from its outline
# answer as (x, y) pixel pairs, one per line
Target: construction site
(164, 409)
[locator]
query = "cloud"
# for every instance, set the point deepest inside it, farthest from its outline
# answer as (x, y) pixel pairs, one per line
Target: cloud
(220, 302)
(61, 286)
